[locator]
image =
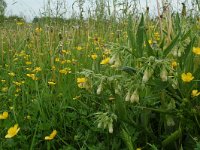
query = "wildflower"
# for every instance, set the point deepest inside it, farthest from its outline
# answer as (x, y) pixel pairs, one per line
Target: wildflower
(28, 63)
(196, 50)
(32, 76)
(94, 56)
(53, 68)
(19, 23)
(18, 90)
(128, 96)
(195, 93)
(110, 127)
(38, 30)
(100, 87)
(18, 83)
(4, 89)
(51, 83)
(12, 131)
(65, 71)
(28, 117)
(105, 61)
(174, 64)
(65, 52)
(57, 59)
(187, 77)
(79, 48)
(150, 42)
(81, 82)
(157, 36)
(76, 97)
(37, 69)
(135, 97)
(4, 115)
(163, 74)
(51, 136)
(12, 74)
(147, 74)
(3, 81)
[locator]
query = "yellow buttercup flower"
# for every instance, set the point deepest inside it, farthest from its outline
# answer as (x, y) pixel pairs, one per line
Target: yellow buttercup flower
(32, 76)
(51, 83)
(12, 131)
(4, 115)
(196, 50)
(38, 30)
(105, 61)
(51, 136)
(195, 93)
(187, 77)
(94, 56)
(37, 69)
(81, 80)
(79, 48)
(28, 62)
(174, 64)
(65, 71)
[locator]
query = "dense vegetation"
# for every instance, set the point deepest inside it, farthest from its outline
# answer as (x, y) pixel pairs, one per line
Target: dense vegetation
(109, 81)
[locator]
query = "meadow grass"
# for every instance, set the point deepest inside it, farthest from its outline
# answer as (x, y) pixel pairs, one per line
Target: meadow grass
(96, 83)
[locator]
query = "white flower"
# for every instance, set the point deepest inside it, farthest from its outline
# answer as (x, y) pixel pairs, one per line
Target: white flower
(110, 127)
(128, 96)
(135, 97)
(147, 74)
(163, 74)
(100, 87)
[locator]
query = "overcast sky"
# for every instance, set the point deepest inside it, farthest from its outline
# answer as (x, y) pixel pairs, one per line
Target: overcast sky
(32, 8)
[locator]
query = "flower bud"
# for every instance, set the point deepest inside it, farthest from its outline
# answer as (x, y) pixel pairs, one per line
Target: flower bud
(147, 74)
(163, 74)
(118, 89)
(112, 60)
(100, 87)
(128, 96)
(110, 128)
(99, 125)
(135, 97)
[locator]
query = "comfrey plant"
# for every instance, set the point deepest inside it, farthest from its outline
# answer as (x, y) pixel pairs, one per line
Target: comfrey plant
(151, 87)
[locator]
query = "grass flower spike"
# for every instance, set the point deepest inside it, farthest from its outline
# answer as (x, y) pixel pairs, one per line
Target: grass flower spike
(187, 77)
(51, 136)
(12, 131)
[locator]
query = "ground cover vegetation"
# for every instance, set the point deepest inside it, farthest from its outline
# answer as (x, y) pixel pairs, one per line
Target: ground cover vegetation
(116, 79)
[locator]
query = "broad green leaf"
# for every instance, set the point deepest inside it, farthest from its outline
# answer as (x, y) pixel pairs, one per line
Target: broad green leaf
(140, 37)
(172, 138)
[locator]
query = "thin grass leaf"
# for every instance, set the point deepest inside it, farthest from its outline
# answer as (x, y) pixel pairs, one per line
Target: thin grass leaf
(140, 37)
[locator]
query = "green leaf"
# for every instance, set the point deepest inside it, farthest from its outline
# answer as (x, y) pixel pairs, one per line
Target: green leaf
(140, 37)
(127, 139)
(131, 36)
(171, 46)
(150, 51)
(172, 138)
